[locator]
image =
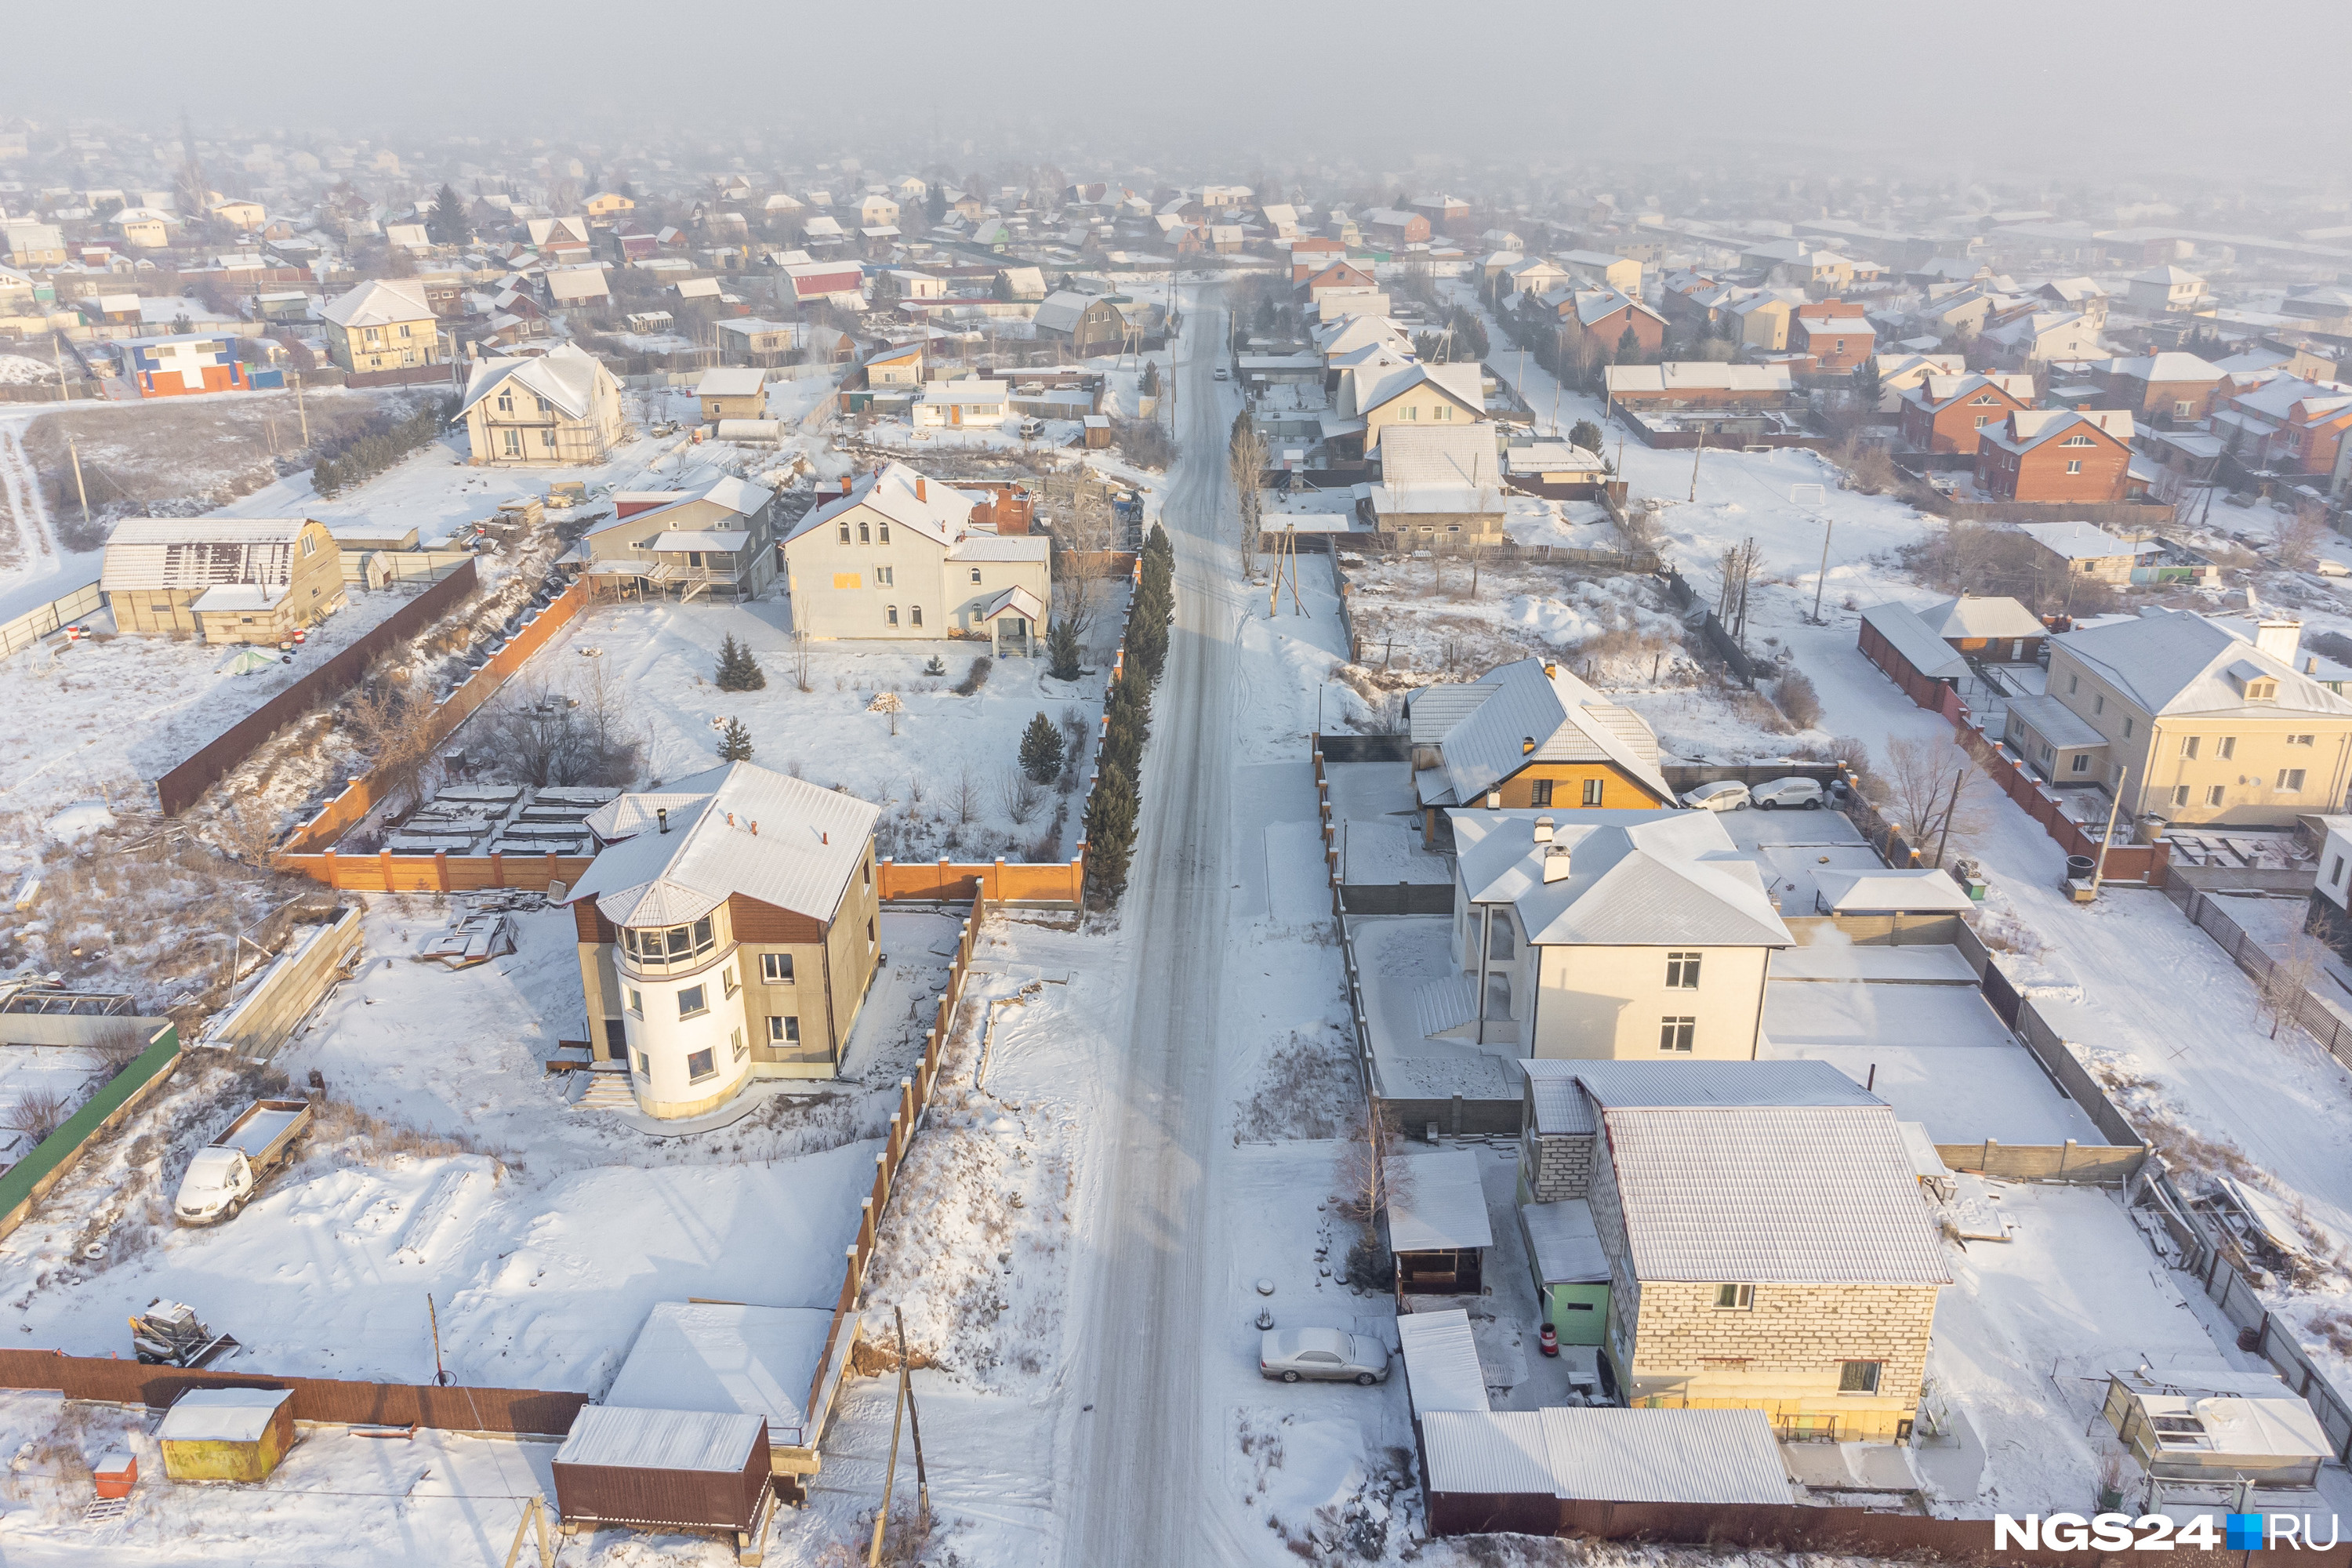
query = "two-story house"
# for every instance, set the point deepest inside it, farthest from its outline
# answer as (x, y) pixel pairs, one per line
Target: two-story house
(727, 931)
(1528, 734)
(1947, 413)
(2166, 290)
(1600, 318)
(719, 540)
(1641, 936)
(900, 555)
(1381, 394)
(226, 580)
(383, 324)
(562, 407)
(2173, 386)
(2197, 723)
(1835, 333)
(2055, 455)
(1766, 1243)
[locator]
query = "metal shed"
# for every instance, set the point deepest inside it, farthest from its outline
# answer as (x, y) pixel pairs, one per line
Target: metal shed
(1441, 1361)
(664, 1469)
(1437, 1223)
(2215, 1428)
(1571, 1269)
(226, 1433)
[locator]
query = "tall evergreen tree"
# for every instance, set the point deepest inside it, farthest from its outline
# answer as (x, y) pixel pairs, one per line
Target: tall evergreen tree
(1111, 837)
(738, 670)
(1041, 750)
(935, 204)
(1065, 658)
(449, 224)
(734, 743)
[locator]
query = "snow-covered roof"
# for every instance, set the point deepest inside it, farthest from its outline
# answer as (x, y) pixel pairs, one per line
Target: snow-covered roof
(1927, 891)
(1435, 1201)
(1971, 617)
(172, 554)
(1597, 304)
(2027, 429)
(2172, 365)
(379, 301)
(1909, 635)
(566, 375)
(1061, 311)
(1633, 878)
(727, 540)
(1452, 456)
(1565, 1247)
(638, 1438)
(731, 382)
(1568, 1093)
(1441, 1361)
(234, 598)
(734, 829)
(2166, 275)
(1015, 600)
(1527, 700)
(221, 1415)
(1606, 1454)
(933, 507)
(1550, 458)
(565, 284)
(1771, 1194)
(969, 394)
(2177, 661)
(2082, 541)
(1698, 376)
(1938, 392)
(726, 1358)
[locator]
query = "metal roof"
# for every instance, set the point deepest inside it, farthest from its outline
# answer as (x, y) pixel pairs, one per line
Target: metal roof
(1929, 890)
(1499, 1451)
(379, 301)
(939, 511)
(730, 382)
(221, 1415)
(171, 553)
(1634, 879)
(642, 1439)
(1565, 1247)
(1438, 1203)
(739, 828)
(2066, 729)
(1926, 652)
(1441, 1361)
(1664, 1455)
(2174, 661)
(1451, 456)
(725, 1358)
(1568, 720)
(1566, 1091)
(1786, 1194)
(1967, 616)
(566, 375)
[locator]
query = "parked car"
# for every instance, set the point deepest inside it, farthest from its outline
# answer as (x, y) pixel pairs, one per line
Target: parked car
(1788, 794)
(224, 1173)
(1222, 373)
(2328, 568)
(1724, 795)
(1331, 1355)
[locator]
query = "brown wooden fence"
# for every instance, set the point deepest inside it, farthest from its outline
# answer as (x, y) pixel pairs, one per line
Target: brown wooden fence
(181, 788)
(106, 1379)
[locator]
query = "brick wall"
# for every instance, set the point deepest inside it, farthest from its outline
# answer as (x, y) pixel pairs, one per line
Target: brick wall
(1558, 1168)
(1784, 1353)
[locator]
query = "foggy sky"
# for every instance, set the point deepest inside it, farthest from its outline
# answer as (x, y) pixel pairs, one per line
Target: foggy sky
(2090, 91)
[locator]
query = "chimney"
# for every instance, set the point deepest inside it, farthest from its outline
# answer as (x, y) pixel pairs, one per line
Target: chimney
(661, 816)
(1551, 671)
(755, 828)
(845, 484)
(2281, 636)
(1556, 862)
(920, 492)
(2311, 665)
(1543, 829)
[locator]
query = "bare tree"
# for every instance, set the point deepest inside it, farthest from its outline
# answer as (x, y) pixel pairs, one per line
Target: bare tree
(963, 797)
(36, 1113)
(1021, 793)
(393, 719)
(2279, 994)
(1248, 457)
(801, 660)
(1932, 787)
(1370, 1173)
(2298, 535)
(1086, 532)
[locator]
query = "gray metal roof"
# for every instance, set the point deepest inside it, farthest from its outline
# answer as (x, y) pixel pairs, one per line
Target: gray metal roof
(641, 1439)
(1548, 705)
(2173, 661)
(1566, 1091)
(1928, 653)
(1498, 1451)
(1924, 891)
(2066, 729)
(1441, 1361)
(1636, 878)
(1563, 1242)
(1438, 1203)
(1689, 1456)
(1967, 616)
(171, 552)
(1786, 1194)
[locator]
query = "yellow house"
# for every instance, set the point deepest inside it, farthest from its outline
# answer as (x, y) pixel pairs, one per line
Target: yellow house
(1764, 321)
(144, 227)
(1627, 936)
(901, 365)
(243, 215)
(605, 204)
(1528, 734)
(1381, 395)
(563, 407)
(2197, 723)
(227, 580)
(383, 324)
(1767, 1244)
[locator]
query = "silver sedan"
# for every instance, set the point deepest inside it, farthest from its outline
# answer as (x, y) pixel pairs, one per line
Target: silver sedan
(1332, 1355)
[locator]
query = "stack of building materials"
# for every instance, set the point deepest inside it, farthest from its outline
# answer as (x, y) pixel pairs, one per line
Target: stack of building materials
(554, 823)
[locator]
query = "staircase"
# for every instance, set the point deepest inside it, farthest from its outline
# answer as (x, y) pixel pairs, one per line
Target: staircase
(608, 1089)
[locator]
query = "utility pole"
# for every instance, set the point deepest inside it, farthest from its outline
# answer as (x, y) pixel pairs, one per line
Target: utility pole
(890, 1474)
(1695, 453)
(73, 445)
(57, 350)
(2099, 867)
(1827, 524)
(914, 1416)
(301, 408)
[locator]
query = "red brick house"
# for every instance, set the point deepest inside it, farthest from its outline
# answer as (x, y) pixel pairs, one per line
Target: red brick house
(2285, 423)
(1835, 333)
(2056, 455)
(1390, 227)
(1310, 255)
(1945, 413)
(1600, 317)
(2176, 386)
(1339, 275)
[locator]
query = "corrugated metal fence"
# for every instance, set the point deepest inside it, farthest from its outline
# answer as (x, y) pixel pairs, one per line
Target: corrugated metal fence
(105, 1379)
(1717, 635)
(2319, 1017)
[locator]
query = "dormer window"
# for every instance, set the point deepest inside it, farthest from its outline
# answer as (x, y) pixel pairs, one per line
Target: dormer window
(2075, 441)
(2254, 683)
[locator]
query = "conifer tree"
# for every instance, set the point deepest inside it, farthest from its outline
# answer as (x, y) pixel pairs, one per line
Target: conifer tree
(738, 670)
(1111, 837)
(1041, 750)
(734, 743)
(1063, 656)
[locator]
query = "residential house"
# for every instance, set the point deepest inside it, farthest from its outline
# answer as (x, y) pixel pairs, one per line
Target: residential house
(35, 245)
(1391, 396)
(1602, 318)
(1556, 470)
(1994, 629)
(145, 228)
(955, 404)
(839, 284)
(1085, 324)
(2202, 724)
(2166, 290)
(385, 324)
(896, 365)
(1616, 936)
(2043, 337)
(2171, 386)
(900, 556)
(1960, 312)
(1528, 734)
(1764, 318)
(1440, 480)
(1899, 372)
(558, 240)
(732, 394)
(1817, 272)
(175, 364)
(2083, 296)
(719, 540)
(1603, 269)
(2055, 455)
(2285, 423)
(757, 341)
(225, 580)
(1338, 277)
(1392, 229)
(242, 216)
(1766, 1242)
(1947, 413)
(1537, 276)
(1699, 384)
(1836, 335)
(561, 407)
(2077, 548)
(876, 210)
(611, 204)
(583, 288)
(727, 933)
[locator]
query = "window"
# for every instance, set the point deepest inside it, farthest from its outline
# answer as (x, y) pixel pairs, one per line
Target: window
(975, 574)
(2075, 441)
(644, 1064)
(736, 1039)
(700, 1066)
(2180, 795)
(2073, 684)
(726, 985)
(1676, 1034)
(2099, 704)
(845, 532)
(636, 1002)
(1983, 400)
(915, 614)
(403, 329)
(776, 968)
(866, 868)
(2074, 465)
(2300, 740)
(1858, 1377)
(783, 1031)
(883, 578)
(2291, 780)
(1734, 1297)
(1443, 411)
(2213, 795)
(1984, 420)
(2336, 872)
(2127, 729)
(883, 536)
(694, 1001)
(545, 406)
(1681, 971)
(2189, 747)
(1539, 793)
(865, 533)
(2226, 747)
(1593, 791)
(514, 443)
(2183, 410)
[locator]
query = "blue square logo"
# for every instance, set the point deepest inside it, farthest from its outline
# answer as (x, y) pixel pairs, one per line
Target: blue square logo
(2245, 1532)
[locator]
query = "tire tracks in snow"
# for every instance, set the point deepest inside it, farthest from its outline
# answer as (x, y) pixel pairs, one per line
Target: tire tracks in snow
(28, 517)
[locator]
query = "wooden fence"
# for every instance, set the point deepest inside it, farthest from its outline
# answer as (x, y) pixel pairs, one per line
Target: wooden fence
(181, 788)
(34, 625)
(105, 1379)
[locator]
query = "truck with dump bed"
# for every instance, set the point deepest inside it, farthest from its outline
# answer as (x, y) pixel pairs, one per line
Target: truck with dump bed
(226, 1172)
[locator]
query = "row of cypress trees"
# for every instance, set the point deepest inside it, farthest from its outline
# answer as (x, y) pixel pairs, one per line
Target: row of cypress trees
(1111, 819)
